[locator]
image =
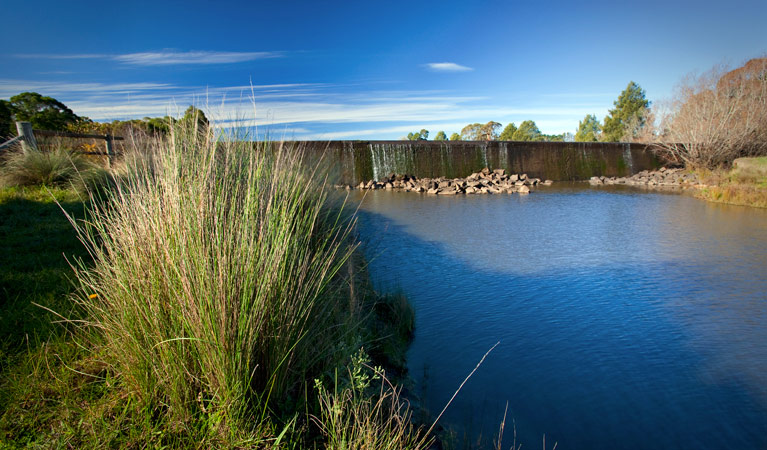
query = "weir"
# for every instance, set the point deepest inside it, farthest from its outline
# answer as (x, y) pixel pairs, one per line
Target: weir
(559, 161)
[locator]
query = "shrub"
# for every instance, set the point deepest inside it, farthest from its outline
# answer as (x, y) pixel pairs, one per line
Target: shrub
(57, 167)
(717, 117)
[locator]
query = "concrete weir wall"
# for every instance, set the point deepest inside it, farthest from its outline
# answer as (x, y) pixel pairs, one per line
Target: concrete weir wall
(558, 161)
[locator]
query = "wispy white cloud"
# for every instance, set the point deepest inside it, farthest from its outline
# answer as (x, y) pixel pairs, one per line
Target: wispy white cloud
(448, 67)
(167, 57)
(164, 57)
(9, 87)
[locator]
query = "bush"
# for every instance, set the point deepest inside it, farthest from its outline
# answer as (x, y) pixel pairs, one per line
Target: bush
(717, 117)
(57, 167)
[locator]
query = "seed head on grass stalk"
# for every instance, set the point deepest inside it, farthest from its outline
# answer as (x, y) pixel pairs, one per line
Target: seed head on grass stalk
(216, 266)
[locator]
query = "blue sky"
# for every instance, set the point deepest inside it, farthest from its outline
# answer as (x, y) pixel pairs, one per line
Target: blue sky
(368, 70)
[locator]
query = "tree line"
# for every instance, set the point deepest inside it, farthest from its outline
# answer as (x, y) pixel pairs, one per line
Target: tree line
(625, 122)
(47, 113)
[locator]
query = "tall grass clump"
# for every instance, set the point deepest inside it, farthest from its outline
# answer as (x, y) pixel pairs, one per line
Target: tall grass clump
(57, 167)
(216, 287)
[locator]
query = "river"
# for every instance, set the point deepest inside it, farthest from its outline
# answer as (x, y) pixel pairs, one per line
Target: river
(626, 318)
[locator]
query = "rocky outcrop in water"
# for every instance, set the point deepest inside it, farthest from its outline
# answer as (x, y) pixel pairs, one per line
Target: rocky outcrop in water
(485, 181)
(658, 178)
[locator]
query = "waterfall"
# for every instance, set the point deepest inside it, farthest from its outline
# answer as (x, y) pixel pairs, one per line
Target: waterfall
(375, 160)
(391, 158)
(628, 158)
(349, 162)
(503, 156)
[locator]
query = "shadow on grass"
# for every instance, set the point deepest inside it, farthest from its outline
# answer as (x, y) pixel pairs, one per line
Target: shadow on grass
(36, 241)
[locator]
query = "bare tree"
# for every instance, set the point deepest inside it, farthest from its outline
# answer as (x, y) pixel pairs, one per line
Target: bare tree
(717, 117)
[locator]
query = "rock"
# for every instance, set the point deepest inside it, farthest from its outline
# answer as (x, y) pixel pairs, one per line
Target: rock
(523, 190)
(548, 183)
(486, 181)
(595, 180)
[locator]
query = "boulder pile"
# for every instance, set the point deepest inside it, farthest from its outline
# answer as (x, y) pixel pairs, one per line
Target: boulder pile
(485, 181)
(664, 177)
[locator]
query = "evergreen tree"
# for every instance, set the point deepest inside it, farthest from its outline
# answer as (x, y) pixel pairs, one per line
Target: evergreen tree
(455, 137)
(588, 129)
(508, 133)
(527, 131)
(628, 116)
(441, 136)
(44, 113)
(194, 118)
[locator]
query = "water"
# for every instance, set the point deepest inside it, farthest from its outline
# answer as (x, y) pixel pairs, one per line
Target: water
(626, 319)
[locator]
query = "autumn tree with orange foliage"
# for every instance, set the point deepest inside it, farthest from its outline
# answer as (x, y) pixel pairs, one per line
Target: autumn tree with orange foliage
(717, 117)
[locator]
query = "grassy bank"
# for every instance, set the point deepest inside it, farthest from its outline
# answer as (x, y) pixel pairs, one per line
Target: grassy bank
(744, 184)
(217, 300)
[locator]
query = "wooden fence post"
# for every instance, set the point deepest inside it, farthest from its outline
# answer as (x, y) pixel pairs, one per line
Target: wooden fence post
(25, 131)
(110, 150)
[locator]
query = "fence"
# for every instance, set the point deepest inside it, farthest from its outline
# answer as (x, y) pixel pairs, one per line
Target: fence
(28, 141)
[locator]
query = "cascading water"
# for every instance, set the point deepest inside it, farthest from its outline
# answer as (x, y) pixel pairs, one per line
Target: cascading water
(503, 156)
(349, 162)
(627, 158)
(363, 161)
(484, 156)
(376, 156)
(391, 158)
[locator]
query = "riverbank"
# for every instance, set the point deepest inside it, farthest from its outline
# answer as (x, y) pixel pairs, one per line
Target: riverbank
(744, 184)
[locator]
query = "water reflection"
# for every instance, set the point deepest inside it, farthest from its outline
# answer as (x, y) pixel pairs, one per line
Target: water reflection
(626, 319)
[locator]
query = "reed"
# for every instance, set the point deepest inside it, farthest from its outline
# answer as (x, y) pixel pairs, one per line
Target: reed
(216, 285)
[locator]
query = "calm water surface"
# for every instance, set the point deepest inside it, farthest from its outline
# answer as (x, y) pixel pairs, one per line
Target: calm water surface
(626, 319)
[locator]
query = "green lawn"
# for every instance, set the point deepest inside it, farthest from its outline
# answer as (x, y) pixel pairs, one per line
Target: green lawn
(37, 240)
